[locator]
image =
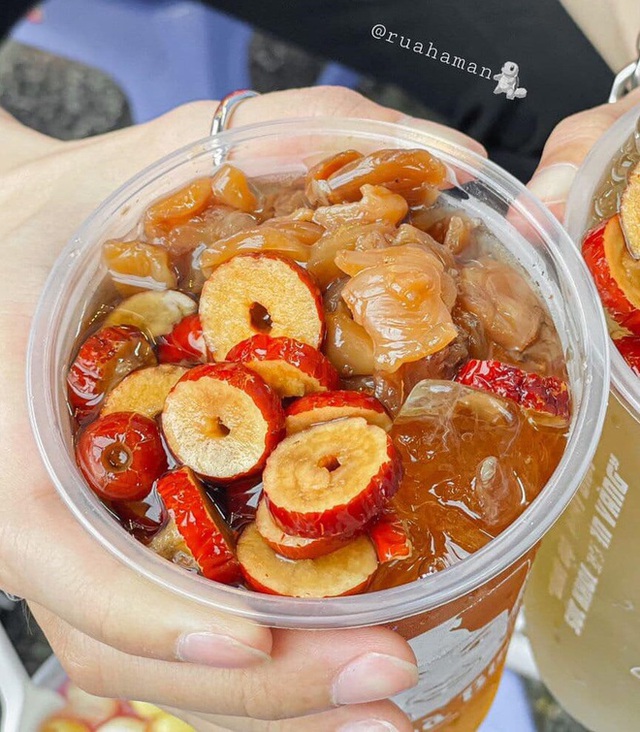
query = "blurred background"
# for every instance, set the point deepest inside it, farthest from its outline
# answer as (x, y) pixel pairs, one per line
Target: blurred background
(72, 69)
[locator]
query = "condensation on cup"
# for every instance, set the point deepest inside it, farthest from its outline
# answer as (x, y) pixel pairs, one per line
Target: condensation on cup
(459, 621)
(583, 601)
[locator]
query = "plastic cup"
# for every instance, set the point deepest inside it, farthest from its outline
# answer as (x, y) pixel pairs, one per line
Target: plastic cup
(458, 621)
(583, 603)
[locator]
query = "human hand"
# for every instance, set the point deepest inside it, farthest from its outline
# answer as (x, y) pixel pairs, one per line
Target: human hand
(568, 145)
(114, 633)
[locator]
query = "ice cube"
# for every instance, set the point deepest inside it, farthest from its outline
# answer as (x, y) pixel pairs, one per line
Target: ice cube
(473, 452)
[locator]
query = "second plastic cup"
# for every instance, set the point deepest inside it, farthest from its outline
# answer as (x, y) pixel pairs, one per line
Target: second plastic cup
(458, 621)
(583, 605)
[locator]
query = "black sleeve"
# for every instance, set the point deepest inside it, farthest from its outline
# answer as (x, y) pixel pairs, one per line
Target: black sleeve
(558, 66)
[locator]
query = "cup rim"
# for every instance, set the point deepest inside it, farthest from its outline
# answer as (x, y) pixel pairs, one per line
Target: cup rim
(359, 610)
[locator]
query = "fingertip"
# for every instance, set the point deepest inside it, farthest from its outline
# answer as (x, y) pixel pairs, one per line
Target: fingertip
(551, 184)
(386, 640)
(372, 677)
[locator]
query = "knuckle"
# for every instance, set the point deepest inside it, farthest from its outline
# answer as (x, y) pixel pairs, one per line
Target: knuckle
(103, 612)
(339, 92)
(257, 700)
(580, 127)
(78, 655)
(82, 671)
(104, 619)
(338, 100)
(185, 111)
(17, 549)
(565, 125)
(564, 131)
(170, 127)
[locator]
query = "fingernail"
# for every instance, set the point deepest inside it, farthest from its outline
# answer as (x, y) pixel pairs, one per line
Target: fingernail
(368, 725)
(221, 651)
(552, 184)
(371, 677)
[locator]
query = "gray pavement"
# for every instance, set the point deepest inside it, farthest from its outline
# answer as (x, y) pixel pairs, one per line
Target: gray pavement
(62, 99)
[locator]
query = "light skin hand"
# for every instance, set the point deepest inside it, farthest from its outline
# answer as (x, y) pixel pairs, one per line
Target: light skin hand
(116, 634)
(567, 147)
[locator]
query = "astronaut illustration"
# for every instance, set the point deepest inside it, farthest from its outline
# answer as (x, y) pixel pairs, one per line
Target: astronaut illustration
(508, 82)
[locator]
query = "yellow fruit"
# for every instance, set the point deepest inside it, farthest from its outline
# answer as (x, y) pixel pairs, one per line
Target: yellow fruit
(123, 724)
(169, 723)
(345, 571)
(146, 710)
(60, 724)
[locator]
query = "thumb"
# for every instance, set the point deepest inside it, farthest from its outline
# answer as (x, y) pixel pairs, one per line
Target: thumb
(568, 146)
(73, 577)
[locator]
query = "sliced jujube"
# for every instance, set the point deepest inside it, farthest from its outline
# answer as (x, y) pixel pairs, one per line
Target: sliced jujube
(331, 479)
(345, 571)
(102, 361)
(200, 525)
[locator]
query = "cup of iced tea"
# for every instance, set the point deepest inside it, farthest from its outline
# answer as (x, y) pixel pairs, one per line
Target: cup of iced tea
(327, 374)
(583, 602)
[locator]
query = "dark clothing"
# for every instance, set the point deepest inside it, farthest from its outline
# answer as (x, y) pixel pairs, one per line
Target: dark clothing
(559, 68)
(10, 12)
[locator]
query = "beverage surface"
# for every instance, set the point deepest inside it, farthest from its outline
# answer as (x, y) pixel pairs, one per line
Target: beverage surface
(317, 386)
